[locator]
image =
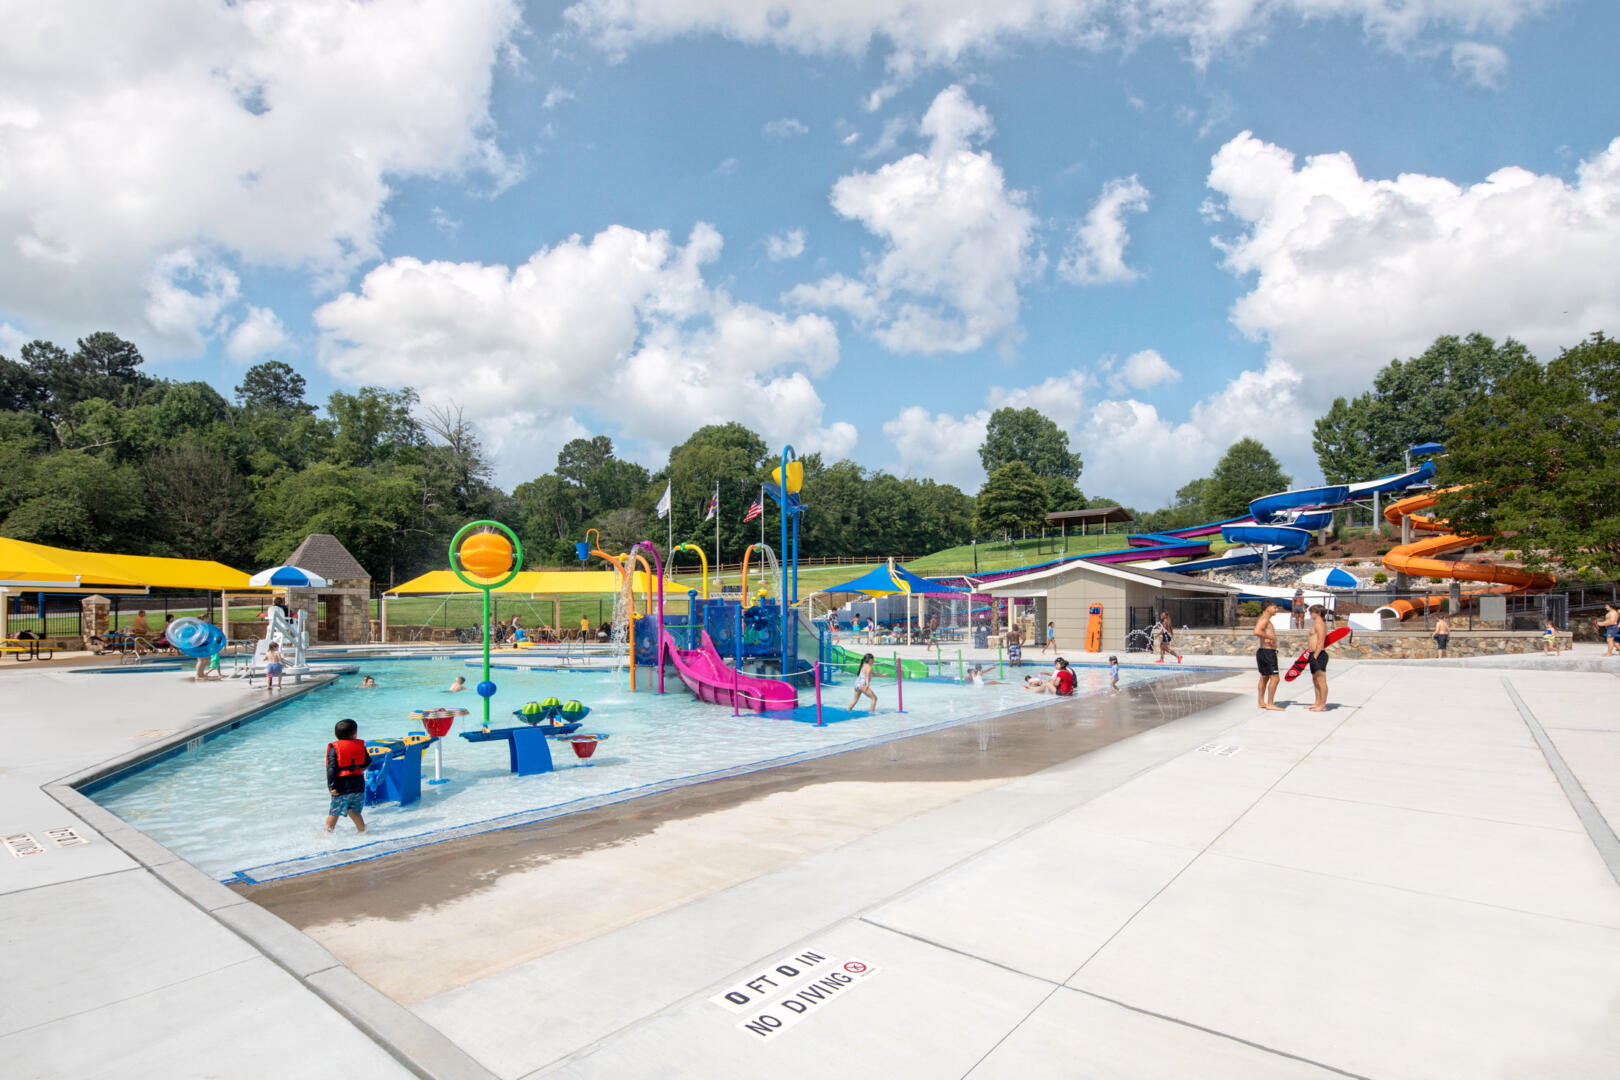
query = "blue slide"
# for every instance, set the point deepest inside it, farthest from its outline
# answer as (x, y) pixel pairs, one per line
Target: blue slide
(1280, 525)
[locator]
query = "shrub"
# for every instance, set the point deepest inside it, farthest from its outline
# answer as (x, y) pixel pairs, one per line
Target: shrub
(1381, 552)
(1380, 577)
(1251, 609)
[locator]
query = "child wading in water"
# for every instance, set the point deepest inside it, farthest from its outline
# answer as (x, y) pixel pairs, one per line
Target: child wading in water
(863, 684)
(1113, 674)
(346, 776)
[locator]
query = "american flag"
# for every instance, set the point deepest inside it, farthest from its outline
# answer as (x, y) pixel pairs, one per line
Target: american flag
(755, 509)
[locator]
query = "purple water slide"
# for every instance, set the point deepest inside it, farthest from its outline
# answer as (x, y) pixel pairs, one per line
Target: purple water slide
(712, 680)
(1156, 551)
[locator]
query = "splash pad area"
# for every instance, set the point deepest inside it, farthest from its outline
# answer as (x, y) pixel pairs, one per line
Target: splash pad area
(246, 806)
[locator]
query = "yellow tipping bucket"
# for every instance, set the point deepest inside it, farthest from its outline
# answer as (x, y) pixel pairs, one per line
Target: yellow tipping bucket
(795, 477)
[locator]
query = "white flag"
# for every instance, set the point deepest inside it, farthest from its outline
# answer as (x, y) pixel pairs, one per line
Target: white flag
(663, 504)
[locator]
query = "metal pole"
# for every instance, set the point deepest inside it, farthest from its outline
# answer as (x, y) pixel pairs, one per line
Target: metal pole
(817, 668)
(899, 684)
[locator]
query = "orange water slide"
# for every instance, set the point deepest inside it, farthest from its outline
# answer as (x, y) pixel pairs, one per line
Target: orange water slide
(1418, 558)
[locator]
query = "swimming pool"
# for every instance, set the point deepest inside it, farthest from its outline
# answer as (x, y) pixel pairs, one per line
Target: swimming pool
(250, 804)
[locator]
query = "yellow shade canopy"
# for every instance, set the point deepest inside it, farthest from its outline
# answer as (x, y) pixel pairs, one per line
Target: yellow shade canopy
(539, 583)
(21, 561)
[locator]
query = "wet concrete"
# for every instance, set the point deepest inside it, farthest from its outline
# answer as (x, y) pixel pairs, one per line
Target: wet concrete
(397, 887)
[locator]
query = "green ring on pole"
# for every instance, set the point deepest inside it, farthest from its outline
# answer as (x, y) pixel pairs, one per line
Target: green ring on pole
(517, 555)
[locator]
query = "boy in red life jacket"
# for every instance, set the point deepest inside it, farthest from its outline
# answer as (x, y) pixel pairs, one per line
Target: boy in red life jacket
(346, 776)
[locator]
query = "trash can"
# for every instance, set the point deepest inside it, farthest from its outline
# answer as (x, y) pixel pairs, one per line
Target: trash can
(981, 638)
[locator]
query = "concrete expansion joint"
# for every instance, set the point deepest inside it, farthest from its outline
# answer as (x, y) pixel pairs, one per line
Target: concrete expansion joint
(1597, 826)
(1228, 1036)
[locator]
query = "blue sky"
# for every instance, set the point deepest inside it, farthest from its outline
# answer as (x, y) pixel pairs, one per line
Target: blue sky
(855, 226)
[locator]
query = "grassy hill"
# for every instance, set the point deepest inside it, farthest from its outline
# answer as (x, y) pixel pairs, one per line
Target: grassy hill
(1002, 556)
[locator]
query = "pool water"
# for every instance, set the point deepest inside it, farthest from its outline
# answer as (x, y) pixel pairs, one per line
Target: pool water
(251, 803)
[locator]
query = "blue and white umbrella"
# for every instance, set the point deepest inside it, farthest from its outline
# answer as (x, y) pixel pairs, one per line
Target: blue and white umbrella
(1330, 578)
(284, 577)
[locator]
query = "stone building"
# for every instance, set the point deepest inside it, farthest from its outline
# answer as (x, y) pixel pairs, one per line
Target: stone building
(347, 595)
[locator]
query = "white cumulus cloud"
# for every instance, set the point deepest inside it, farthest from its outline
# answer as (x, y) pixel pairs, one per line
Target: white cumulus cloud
(259, 132)
(939, 445)
(789, 245)
(1096, 251)
(1131, 451)
(1143, 370)
(789, 127)
(943, 32)
(1480, 63)
(623, 326)
(1348, 272)
(957, 241)
(258, 334)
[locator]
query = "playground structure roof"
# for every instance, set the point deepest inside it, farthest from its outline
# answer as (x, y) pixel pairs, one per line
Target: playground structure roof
(28, 566)
(1095, 516)
(540, 583)
(880, 581)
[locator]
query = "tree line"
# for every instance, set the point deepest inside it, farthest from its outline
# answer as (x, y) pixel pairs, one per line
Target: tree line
(96, 454)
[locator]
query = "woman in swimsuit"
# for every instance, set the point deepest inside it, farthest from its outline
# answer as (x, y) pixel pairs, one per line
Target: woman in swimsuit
(863, 684)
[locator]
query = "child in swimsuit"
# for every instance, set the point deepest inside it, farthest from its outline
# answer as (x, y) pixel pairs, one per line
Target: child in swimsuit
(863, 684)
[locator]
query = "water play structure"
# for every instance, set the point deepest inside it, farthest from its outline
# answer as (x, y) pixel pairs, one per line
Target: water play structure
(486, 555)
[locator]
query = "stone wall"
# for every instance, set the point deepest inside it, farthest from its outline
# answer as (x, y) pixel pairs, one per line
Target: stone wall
(1367, 644)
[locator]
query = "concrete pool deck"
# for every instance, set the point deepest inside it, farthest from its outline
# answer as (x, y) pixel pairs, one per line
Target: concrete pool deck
(1420, 882)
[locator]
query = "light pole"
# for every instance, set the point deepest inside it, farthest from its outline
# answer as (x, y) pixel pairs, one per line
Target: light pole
(975, 554)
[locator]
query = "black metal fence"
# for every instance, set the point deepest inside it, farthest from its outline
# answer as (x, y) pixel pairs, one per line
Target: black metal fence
(51, 615)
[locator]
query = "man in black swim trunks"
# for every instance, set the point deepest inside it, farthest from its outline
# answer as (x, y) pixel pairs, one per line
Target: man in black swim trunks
(1265, 657)
(1319, 656)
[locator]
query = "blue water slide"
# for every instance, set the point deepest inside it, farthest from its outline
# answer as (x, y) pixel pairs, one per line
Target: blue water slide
(1309, 520)
(1293, 541)
(1422, 474)
(1269, 508)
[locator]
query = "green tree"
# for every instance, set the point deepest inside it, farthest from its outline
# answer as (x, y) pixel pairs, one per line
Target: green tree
(375, 426)
(1411, 402)
(1028, 436)
(1538, 458)
(1245, 472)
(275, 388)
(21, 390)
(604, 481)
(199, 505)
(456, 468)
(75, 500)
(1013, 498)
(381, 515)
(728, 454)
(550, 518)
(1062, 494)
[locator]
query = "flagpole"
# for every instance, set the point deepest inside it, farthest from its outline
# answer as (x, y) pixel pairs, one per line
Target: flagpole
(717, 534)
(762, 515)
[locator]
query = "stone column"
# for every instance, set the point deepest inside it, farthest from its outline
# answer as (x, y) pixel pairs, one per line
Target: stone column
(95, 613)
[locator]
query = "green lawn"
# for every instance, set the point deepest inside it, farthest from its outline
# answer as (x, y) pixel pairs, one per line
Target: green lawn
(1002, 556)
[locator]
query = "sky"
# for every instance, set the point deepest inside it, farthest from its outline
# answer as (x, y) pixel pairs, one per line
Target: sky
(856, 226)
